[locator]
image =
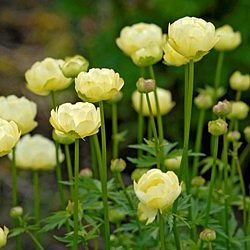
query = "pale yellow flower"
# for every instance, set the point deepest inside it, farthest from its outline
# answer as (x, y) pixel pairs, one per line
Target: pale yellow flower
(46, 76)
(146, 213)
(239, 82)
(239, 110)
(36, 153)
(228, 38)
(20, 110)
(189, 38)
(3, 236)
(156, 191)
(9, 136)
(164, 98)
(98, 85)
(78, 120)
(142, 42)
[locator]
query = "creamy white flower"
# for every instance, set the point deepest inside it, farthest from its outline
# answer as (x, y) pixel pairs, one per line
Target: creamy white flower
(46, 76)
(239, 82)
(164, 98)
(228, 39)
(9, 136)
(20, 110)
(98, 84)
(190, 38)
(78, 120)
(36, 153)
(142, 42)
(3, 236)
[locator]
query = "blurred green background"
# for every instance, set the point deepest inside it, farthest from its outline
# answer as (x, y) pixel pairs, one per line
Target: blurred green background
(31, 30)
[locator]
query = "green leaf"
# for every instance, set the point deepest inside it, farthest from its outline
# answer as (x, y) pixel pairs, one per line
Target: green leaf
(16, 231)
(144, 161)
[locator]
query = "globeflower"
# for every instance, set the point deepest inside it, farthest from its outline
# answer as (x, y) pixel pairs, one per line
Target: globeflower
(239, 82)
(156, 191)
(228, 38)
(164, 98)
(3, 236)
(239, 110)
(36, 153)
(76, 120)
(9, 136)
(142, 42)
(189, 38)
(46, 76)
(98, 85)
(20, 110)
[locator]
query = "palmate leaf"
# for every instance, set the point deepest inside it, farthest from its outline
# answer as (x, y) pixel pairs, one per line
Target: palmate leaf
(144, 161)
(16, 231)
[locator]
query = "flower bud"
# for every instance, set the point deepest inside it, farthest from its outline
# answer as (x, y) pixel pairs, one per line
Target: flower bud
(198, 181)
(217, 127)
(247, 133)
(62, 138)
(86, 172)
(222, 108)
(116, 215)
(233, 136)
(173, 163)
(145, 85)
(70, 208)
(117, 165)
(16, 212)
(203, 101)
(116, 98)
(239, 82)
(74, 65)
(208, 235)
(3, 236)
(137, 173)
(239, 110)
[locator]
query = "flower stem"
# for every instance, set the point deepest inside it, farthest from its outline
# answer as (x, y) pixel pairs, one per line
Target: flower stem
(162, 231)
(244, 153)
(34, 239)
(76, 178)
(14, 178)
(114, 130)
(198, 140)
(212, 180)
(140, 126)
(94, 166)
(36, 196)
(69, 168)
(218, 72)
(104, 181)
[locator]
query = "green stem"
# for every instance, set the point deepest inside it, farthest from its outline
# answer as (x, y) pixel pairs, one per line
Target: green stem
(162, 231)
(140, 126)
(149, 129)
(104, 181)
(34, 239)
(198, 140)
(93, 158)
(76, 186)
(53, 99)
(238, 96)
(212, 180)
(14, 178)
(115, 131)
(69, 169)
(36, 197)
(244, 153)
(209, 245)
(217, 79)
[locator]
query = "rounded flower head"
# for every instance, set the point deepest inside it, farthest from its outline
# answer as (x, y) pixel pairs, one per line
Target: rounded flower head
(239, 82)
(228, 39)
(98, 85)
(173, 163)
(142, 42)
(36, 152)
(203, 101)
(189, 38)
(3, 236)
(9, 136)
(165, 102)
(77, 120)
(239, 110)
(217, 127)
(20, 110)
(157, 191)
(46, 76)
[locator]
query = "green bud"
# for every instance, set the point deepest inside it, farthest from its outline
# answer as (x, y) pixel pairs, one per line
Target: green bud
(208, 235)
(86, 172)
(74, 65)
(217, 127)
(173, 163)
(117, 165)
(116, 215)
(203, 101)
(233, 136)
(145, 85)
(62, 138)
(16, 212)
(247, 133)
(239, 110)
(198, 181)
(222, 109)
(137, 173)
